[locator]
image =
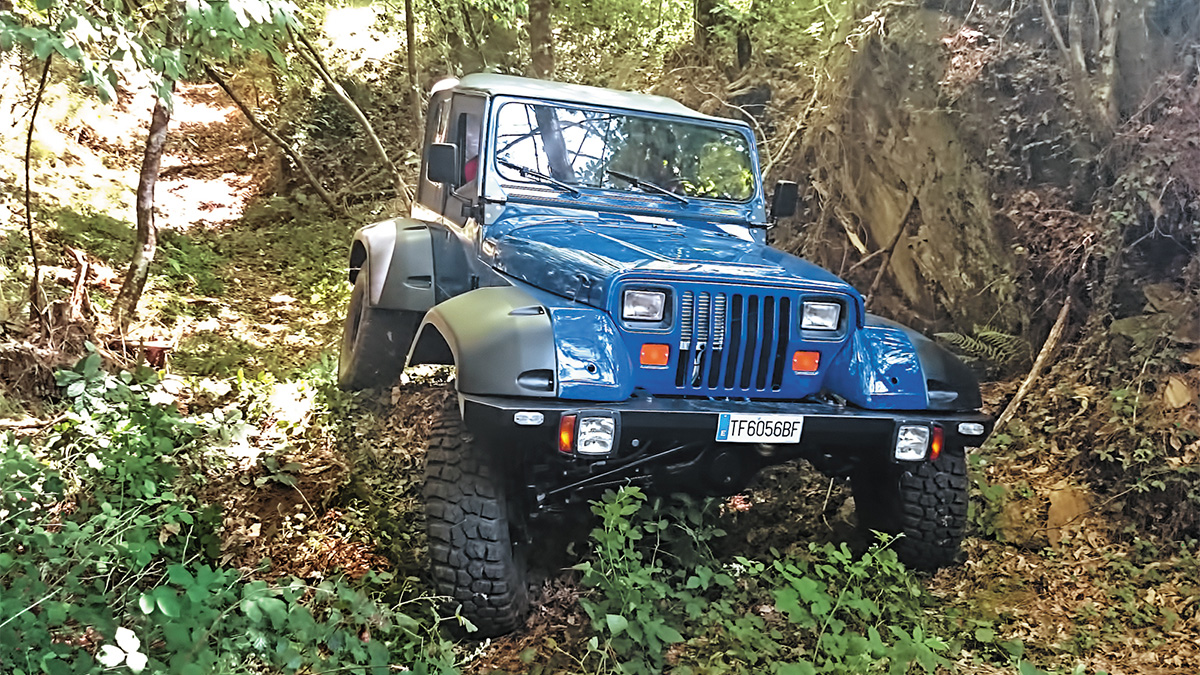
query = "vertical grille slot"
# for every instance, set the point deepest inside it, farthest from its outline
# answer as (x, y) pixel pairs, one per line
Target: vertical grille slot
(768, 338)
(686, 323)
(750, 327)
(736, 329)
(703, 330)
(785, 325)
(718, 340)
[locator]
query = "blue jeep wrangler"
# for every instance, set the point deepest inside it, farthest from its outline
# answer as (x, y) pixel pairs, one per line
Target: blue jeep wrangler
(594, 264)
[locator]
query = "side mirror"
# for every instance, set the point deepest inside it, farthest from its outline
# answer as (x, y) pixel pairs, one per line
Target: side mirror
(783, 202)
(441, 166)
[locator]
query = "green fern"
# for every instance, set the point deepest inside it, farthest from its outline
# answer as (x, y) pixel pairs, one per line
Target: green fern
(988, 344)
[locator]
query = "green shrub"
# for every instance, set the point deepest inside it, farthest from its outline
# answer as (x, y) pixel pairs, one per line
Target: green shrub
(662, 601)
(105, 559)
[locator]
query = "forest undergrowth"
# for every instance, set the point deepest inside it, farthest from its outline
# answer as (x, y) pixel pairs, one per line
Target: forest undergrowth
(232, 511)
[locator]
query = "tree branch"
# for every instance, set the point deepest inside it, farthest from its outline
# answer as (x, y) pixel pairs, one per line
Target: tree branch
(275, 138)
(36, 310)
(1052, 26)
(1048, 348)
(887, 258)
(313, 57)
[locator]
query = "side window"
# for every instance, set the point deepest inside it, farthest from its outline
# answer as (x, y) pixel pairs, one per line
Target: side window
(466, 137)
(433, 195)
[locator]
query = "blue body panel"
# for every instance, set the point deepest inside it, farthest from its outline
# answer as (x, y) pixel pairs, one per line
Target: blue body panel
(879, 370)
(592, 362)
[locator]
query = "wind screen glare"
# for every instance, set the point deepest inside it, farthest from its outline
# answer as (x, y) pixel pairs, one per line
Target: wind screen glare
(580, 146)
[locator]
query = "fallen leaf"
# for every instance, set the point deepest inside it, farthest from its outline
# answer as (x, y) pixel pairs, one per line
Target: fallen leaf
(1188, 332)
(1177, 394)
(1191, 358)
(1066, 506)
(1161, 296)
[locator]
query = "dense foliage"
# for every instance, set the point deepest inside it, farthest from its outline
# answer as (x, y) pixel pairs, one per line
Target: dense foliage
(111, 560)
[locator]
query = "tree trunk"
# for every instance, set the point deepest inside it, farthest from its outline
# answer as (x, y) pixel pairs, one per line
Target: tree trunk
(410, 34)
(147, 233)
(541, 38)
(703, 21)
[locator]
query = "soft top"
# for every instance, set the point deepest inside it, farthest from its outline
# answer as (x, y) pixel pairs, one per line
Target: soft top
(509, 85)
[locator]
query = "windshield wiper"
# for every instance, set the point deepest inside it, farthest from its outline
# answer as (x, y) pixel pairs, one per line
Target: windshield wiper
(646, 185)
(526, 172)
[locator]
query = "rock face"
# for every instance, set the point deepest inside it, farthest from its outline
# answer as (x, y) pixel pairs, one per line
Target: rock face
(891, 156)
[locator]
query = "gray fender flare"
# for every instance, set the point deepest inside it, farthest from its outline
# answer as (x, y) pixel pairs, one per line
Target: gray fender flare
(397, 255)
(500, 339)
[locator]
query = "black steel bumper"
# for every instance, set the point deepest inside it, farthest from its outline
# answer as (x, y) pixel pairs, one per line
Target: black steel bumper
(672, 442)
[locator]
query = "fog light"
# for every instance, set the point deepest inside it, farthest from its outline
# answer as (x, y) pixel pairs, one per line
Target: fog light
(970, 428)
(912, 443)
(595, 435)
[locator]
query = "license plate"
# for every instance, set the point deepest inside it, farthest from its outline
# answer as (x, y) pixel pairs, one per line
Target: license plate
(743, 428)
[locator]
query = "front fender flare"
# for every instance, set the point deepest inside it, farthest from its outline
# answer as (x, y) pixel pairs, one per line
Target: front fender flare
(499, 338)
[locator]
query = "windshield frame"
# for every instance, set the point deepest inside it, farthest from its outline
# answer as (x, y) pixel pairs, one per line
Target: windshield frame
(504, 181)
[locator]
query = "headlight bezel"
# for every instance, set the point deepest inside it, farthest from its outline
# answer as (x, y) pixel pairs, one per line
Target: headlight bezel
(645, 322)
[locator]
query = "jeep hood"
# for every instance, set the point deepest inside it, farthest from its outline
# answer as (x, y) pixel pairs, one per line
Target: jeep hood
(581, 260)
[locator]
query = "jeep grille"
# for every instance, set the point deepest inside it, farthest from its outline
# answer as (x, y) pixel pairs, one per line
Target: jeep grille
(732, 343)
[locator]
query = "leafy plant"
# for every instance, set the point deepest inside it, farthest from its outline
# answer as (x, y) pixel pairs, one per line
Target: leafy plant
(105, 566)
(997, 348)
(661, 598)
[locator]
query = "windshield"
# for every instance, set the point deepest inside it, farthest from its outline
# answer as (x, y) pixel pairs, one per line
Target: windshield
(593, 148)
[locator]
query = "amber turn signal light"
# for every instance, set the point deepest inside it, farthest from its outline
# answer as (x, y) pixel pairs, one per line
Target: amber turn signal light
(566, 434)
(655, 355)
(806, 362)
(935, 446)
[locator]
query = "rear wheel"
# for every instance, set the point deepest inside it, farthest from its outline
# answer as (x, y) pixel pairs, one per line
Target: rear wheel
(468, 515)
(924, 501)
(375, 341)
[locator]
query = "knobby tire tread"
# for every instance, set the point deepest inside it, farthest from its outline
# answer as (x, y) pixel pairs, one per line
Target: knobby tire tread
(375, 342)
(924, 501)
(470, 547)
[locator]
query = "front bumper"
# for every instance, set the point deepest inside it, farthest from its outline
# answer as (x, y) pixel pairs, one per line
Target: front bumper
(673, 440)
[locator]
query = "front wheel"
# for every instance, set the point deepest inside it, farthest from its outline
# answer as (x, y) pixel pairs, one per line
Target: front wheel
(924, 501)
(375, 341)
(467, 513)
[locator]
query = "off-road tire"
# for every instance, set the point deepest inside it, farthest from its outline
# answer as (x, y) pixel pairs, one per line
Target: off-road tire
(375, 341)
(467, 514)
(924, 501)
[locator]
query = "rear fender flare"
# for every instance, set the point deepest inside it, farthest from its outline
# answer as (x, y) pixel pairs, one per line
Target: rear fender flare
(397, 256)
